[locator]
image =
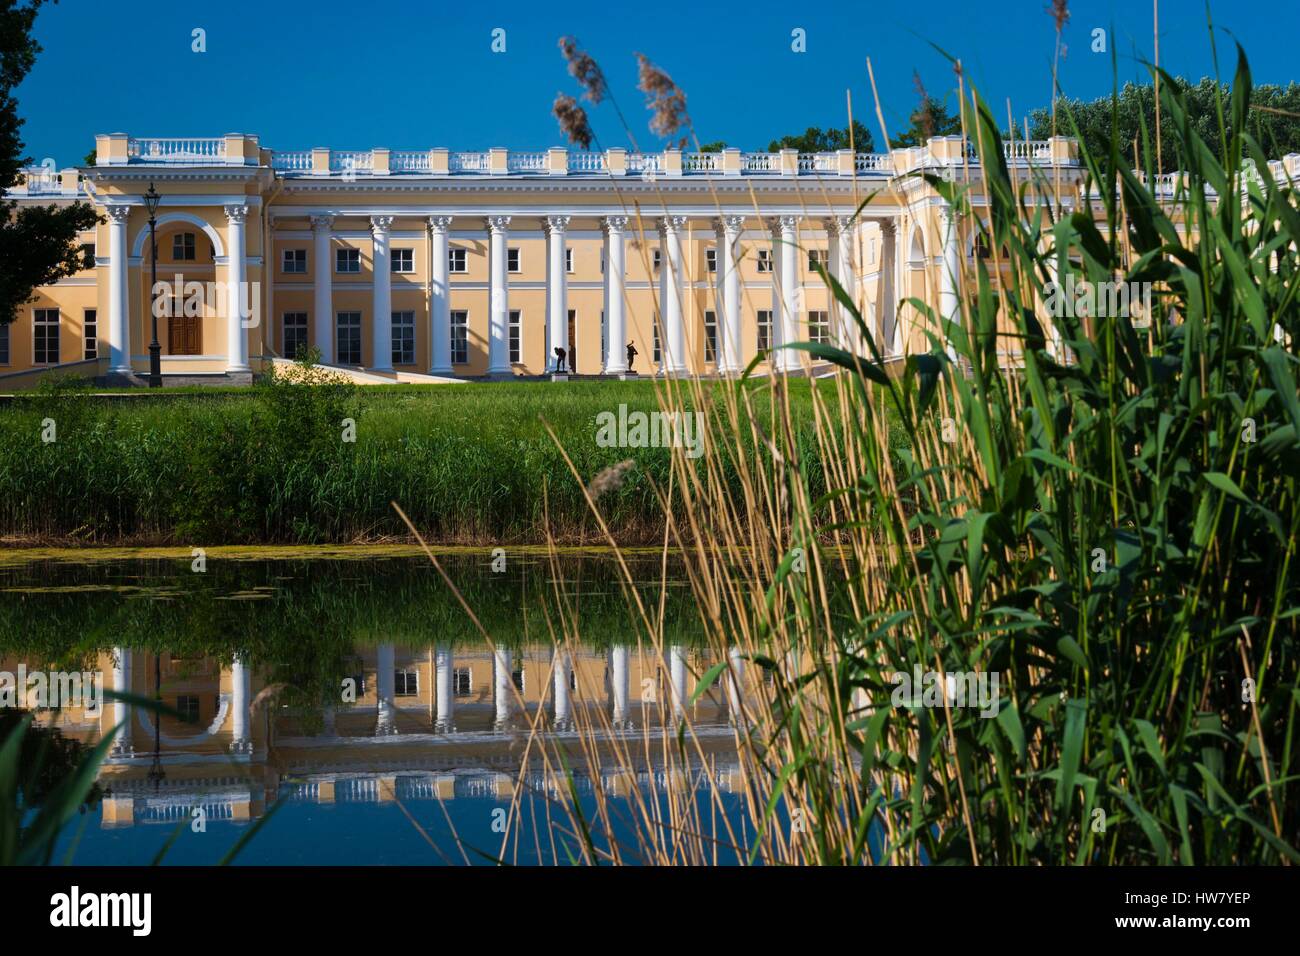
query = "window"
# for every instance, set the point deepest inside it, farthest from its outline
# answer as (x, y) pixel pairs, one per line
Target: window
(512, 260)
(517, 678)
(711, 259)
(295, 261)
(461, 683)
(295, 334)
(457, 261)
(514, 336)
(183, 247)
(347, 260)
(710, 336)
(764, 260)
(188, 706)
(403, 260)
(90, 333)
(406, 683)
(816, 257)
(459, 338)
(764, 329)
(88, 254)
(348, 351)
(4, 344)
(654, 350)
(403, 338)
(658, 254)
(819, 328)
(46, 337)
(568, 261)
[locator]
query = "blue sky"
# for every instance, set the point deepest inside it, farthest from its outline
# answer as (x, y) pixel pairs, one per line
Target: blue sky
(415, 74)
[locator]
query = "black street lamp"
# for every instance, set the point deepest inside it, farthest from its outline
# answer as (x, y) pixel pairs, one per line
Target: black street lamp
(151, 200)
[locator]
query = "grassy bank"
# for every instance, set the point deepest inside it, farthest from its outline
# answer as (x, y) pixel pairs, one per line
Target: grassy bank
(469, 463)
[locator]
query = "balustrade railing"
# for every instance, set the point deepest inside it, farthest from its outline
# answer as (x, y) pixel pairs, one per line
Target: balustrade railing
(163, 150)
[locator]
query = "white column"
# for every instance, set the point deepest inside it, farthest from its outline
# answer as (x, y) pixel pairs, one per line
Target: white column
(240, 704)
(791, 297)
(563, 667)
(443, 682)
(615, 302)
(322, 283)
(888, 335)
(729, 261)
(673, 348)
(618, 679)
(119, 297)
(839, 261)
(950, 272)
(121, 709)
(385, 688)
(440, 299)
(236, 332)
(381, 329)
(677, 678)
(735, 683)
(501, 689)
(499, 298)
(557, 300)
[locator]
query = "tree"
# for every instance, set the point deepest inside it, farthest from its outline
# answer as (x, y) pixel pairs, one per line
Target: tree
(1274, 120)
(930, 118)
(817, 140)
(38, 244)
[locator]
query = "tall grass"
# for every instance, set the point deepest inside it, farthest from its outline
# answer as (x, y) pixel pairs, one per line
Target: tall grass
(1113, 535)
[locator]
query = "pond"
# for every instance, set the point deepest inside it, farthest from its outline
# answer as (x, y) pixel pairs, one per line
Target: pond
(343, 704)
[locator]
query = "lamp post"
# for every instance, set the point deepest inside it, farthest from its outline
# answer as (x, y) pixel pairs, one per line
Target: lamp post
(151, 200)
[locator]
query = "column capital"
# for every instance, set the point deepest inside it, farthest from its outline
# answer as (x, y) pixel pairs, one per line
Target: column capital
(669, 224)
(785, 223)
(839, 225)
(556, 224)
(380, 225)
(439, 224)
(322, 222)
(118, 213)
(236, 213)
(888, 227)
(947, 214)
(732, 226)
(498, 223)
(613, 224)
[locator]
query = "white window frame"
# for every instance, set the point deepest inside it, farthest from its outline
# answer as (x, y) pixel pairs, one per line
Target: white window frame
(459, 322)
(407, 674)
(759, 326)
(338, 327)
(297, 258)
(402, 261)
(403, 319)
(710, 336)
(347, 257)
(40, 319)
(514, 260)
(90, 334)
(515, 335)
(300, 324)
(711, 260)
(765, 261)
(183, 242)
(823, 323)
(458, 260)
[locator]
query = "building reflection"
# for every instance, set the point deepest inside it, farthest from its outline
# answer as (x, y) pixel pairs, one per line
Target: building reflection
(423, 723)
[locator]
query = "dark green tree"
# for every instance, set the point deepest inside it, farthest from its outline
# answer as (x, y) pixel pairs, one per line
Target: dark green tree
(930, 118)
(1274, 120)
(38, 244)
(817, 140)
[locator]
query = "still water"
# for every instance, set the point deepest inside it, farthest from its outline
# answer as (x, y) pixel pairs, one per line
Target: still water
(345, 706)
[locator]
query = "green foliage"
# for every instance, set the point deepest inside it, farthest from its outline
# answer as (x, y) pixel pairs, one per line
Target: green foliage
(817, 140)
(1273, 120)
(1106, 535)
(38, 244)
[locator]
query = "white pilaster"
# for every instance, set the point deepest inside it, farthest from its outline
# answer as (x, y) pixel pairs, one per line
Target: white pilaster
(119, 308)
(381, 330)
(498, 298)
(440, 299)
(673, 348)
(618, 678)
(615, 302)
(322, 287)
(385, 690)
(839, 262)
(729, 262)
(563, 667)
(240, 704)
(236, 332)
(950, 272)
(501, 685)
(443, 665)
(791, 297)
(889, 337)
(557, 308)
(121, 709)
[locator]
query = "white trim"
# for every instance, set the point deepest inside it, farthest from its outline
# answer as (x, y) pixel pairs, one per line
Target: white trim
(218, 247)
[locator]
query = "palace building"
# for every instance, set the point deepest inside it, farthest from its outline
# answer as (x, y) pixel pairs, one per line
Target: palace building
(429, 265)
